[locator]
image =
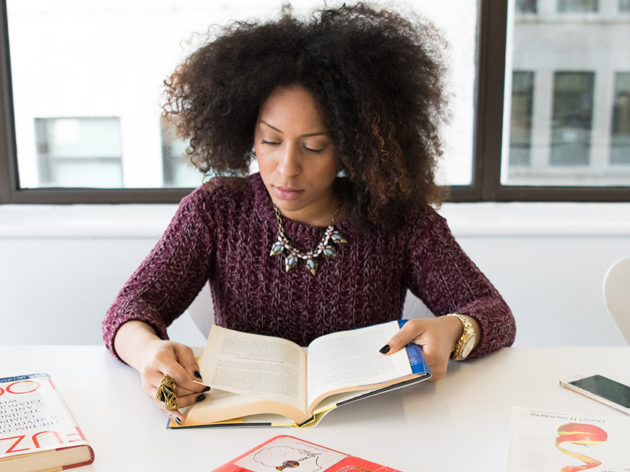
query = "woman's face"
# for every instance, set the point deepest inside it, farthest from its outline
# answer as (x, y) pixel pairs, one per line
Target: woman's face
(296, 157)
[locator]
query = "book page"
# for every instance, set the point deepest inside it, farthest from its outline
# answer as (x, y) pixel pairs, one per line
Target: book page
(352, 358)
(254, 365)
(222, 406)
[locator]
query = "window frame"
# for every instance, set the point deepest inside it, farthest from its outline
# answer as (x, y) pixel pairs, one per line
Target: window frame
(487, 139)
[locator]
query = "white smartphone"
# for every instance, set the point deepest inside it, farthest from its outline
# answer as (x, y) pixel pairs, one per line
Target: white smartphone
(602, 389)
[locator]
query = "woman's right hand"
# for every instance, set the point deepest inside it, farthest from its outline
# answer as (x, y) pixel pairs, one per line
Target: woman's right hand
(160, 358)
(137, 344)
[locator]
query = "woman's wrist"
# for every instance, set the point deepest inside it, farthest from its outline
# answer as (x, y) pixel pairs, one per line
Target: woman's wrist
(130, 340)
(455, 329)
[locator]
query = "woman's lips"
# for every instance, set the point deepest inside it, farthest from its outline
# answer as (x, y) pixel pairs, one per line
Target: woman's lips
(286, 193)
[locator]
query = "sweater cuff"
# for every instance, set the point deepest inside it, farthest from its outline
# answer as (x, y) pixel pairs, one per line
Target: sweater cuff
(496, 324)
(123, 312)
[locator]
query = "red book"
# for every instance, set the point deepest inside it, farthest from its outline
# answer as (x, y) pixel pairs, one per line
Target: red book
(296, 455)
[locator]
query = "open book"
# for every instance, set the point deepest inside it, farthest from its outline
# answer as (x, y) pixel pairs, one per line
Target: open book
(259, 379)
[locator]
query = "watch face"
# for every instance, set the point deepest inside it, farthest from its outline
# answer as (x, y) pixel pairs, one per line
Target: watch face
(467, 347)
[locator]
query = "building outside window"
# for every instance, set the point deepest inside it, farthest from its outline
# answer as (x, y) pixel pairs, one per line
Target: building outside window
(620, 146)
(521, 118)
(572, 118)
(624, 5)
(566, 6)
(79, 152)
(567, 120)
(526, 6)
(178, 170)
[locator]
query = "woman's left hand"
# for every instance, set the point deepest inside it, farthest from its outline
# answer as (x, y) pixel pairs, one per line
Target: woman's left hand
(437, 336)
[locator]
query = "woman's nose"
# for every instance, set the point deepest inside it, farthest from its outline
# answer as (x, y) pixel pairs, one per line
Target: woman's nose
(289, 162)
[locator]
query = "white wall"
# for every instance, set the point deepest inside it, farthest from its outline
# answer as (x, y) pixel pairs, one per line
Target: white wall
(61, 266)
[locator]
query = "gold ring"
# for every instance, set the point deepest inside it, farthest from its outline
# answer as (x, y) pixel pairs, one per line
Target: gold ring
(166, 393)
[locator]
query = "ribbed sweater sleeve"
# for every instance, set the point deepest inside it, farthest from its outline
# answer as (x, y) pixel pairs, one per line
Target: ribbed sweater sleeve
(171, 276)
(441, 274)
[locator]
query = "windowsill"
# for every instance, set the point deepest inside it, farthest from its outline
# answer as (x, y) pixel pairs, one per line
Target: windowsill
(465, 219)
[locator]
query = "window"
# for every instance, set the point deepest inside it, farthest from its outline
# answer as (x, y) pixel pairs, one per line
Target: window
(539, 97)
(122, 74)
(620, 142)
(577, 5)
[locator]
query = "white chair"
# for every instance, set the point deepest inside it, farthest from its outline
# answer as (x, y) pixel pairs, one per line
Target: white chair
(617, 294)
(201, 310)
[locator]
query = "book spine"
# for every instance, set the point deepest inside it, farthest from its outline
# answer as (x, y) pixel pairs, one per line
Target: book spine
(19, 378)
(81, 464)
(416, 355)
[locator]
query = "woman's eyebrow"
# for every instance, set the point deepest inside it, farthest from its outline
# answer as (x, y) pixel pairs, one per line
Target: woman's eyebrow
(319, 133)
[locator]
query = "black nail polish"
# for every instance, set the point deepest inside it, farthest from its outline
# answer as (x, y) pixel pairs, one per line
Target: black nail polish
(178, 421)
(197, 374)
(385, 349)
(207, 389)
(200, 398)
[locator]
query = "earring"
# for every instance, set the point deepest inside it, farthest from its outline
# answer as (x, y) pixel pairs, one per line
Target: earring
(342, 173)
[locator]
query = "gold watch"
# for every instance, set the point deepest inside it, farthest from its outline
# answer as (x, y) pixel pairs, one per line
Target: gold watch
(466, 341)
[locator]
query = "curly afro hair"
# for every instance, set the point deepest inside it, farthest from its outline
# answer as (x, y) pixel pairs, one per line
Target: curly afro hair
(377, 76)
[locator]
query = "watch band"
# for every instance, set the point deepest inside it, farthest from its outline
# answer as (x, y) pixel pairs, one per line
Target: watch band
(466, 341)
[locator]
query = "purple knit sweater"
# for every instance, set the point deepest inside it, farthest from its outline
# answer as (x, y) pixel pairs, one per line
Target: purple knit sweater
(223, 234)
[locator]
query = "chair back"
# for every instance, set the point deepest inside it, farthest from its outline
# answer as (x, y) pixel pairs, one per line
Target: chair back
(201, 310)
(617, 294)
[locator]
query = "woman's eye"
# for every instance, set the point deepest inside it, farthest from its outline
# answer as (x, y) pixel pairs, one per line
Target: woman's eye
(316, 151)
(271, 143)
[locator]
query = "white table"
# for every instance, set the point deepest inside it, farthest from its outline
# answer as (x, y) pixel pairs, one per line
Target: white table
(460, 423)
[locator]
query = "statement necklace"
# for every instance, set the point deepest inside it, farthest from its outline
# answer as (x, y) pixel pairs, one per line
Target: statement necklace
(293, 254)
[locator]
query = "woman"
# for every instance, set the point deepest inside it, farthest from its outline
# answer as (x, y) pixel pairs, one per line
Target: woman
(342, 114)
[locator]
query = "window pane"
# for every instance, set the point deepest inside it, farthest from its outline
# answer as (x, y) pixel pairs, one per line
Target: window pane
(624, 5)
(577, 5)
(109, 58)
(526, 6)
(566, 118)
(620, 147)
(572, 118)
(521, 122)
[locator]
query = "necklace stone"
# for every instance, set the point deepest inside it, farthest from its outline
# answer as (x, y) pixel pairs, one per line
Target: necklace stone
(292, 254)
